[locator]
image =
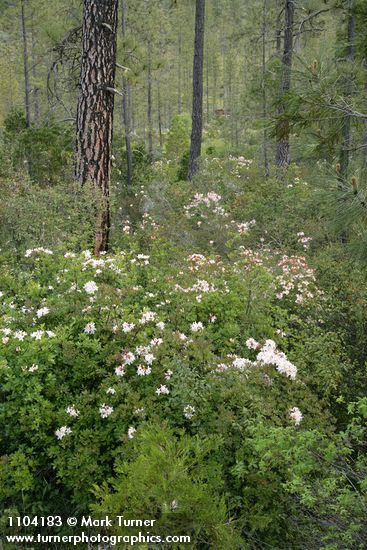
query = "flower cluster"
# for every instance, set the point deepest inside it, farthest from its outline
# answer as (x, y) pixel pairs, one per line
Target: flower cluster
(240, 164)
(296, 276)
(62, 432)
(296, 415)
(245, 227)
(303, 240)
(210, 202)
(37, 250)
(269, 355)
(91, 287)
(105, 410)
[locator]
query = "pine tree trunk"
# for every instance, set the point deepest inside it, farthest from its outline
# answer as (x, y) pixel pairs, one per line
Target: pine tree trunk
(197, 98)
(282, 151)
(95, 108)
(345, 145)
(34, 75)
(25, 66)
(126, 106)
(179, 75)
(207, 86)
(159, 114)
(364, 150)
(278, 29)
(264, 98)
(149, 111)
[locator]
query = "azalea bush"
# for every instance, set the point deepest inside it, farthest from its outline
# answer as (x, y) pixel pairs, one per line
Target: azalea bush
(197, 374)
(97, 353)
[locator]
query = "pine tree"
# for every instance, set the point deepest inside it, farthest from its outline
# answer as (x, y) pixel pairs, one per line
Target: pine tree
(95, 107)
(197, 98)
(283, 152)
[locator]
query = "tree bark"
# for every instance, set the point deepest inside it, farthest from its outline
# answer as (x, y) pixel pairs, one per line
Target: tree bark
(126, 102)
(278, 29)
(207, 85)
(345, 145)
(95, 108)
(159, 106)
(179, 74)
(282, 151)
(364, 150)
(25, 66)
(36, 105)
(264, 98)
(197, 97)
(149, 110)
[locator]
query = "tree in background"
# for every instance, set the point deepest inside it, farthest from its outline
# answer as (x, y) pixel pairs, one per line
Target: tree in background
(94, 125)
(26, 66)
(282, 151)
(197, 89)
(126, 102)
(348, 83)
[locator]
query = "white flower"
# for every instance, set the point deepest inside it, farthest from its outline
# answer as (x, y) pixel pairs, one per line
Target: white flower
(111, 391)
(90, 287)
(120, 371)
(37, 334)
(174, 505)
(128, 357)
(143, 371)
(33, 368)
(270, 356)
(105, 410)
(168, 374)
(130, 432)
(147, 316)
(5, 340)
(296, 415)
(50, 333)
(240, 363)
(127, 327)
(30, 251)
(6, 331)
(222, 367)
(90, 328)
(149, 358)
(251, 343)
(72, 411)
(189, 411)
(197, 326)
(62, 432)
(42, 312)
(160, 325)
(20, 335)
(155, 342)
(162, 390)
(142, 350)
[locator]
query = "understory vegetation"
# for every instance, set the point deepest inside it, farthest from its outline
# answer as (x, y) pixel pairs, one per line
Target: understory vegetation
(209, 371)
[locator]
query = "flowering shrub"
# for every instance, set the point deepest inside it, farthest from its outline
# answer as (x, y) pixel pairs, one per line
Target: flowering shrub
(192, 376)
